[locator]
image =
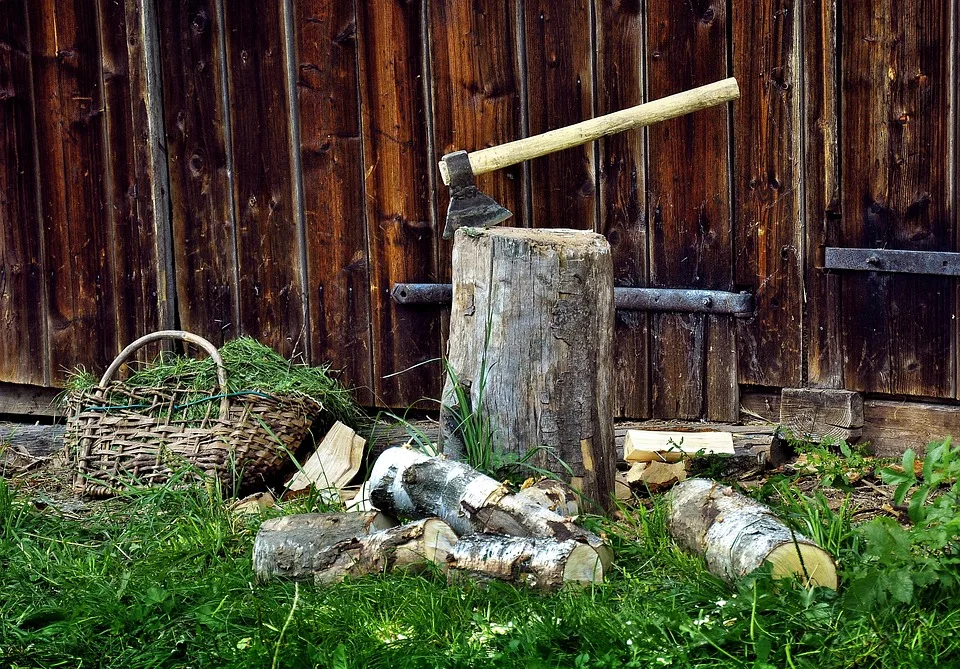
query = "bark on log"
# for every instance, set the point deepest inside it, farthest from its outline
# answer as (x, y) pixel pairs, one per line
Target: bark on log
(408, 484)
(542, 563)
(531, 346)
(736, 535)
(411, 547)
(293, 546)
(552, 494)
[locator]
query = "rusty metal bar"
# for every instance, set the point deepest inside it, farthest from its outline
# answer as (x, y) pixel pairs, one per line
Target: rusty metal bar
(688, 300)
(625, 299)
(941, 263)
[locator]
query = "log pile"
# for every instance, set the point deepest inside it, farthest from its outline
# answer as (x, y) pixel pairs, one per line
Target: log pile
(465, 523)
(470, 526)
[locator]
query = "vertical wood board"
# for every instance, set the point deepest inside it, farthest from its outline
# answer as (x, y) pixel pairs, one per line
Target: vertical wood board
(693, 356)
(196, 121)
(129, 197)
(475, 77)
(895, 153)
(78, 241)
(766, 186)
(270, 288)
(331, 152)
(559, 72)
(401, 236)
(619, 53)
(821, 191)
(23, 357)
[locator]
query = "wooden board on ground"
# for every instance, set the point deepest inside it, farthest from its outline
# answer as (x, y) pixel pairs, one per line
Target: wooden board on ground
(661, 446)
(335, 462)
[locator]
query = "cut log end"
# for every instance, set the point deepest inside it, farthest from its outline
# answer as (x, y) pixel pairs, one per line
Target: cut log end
(438, 541)
(813, 565)
(585, 565)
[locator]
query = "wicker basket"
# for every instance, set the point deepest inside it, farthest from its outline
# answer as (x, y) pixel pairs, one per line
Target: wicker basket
(140, 440)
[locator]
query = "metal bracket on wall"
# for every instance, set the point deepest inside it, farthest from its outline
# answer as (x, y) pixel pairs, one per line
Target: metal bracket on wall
(886, 260)
(625, 299)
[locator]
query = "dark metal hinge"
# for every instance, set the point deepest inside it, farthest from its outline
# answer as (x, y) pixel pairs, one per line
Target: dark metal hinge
(941, 263)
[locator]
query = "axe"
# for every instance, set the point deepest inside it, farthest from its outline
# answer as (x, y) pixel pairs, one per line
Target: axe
(471, 208)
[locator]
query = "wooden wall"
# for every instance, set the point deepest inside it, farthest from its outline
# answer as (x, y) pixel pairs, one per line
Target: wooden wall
(269, 168)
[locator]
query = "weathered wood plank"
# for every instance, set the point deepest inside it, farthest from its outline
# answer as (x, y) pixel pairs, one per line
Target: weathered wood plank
(27, 400)
(474, 66)
(623, 220)
(204, 230)
(897, 193)
(816, 413)
(693, 356)
(331, 152)
(78, 241)
(128, 151)
(268, 240)
(560, 92)
(402, 237)
(891, 426)
(23, 354)
(768, 235)
(821, 191)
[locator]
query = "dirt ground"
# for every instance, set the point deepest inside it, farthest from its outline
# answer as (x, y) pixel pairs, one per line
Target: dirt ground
(48, 483)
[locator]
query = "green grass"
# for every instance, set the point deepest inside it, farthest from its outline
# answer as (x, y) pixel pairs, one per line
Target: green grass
(162, 578)
(250, 366)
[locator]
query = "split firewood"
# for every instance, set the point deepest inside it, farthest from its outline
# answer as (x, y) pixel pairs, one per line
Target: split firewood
(657, 476)
(552, 494)
(253, 504)
(736, 535)
(331, 467)
(542, 563)
(405, 483)
(662, 446)
(635, 474)
(622, 489)
(293, 546)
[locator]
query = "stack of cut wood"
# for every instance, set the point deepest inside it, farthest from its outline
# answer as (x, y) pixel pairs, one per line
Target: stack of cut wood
(658, 459)
(462, 522)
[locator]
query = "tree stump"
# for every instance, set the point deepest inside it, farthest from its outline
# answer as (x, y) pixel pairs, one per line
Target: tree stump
(530, 348)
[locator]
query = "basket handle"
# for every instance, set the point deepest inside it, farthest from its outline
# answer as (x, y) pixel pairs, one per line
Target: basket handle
(184, 336)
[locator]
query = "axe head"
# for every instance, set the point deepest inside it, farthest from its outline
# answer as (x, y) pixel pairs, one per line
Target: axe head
(468, 206)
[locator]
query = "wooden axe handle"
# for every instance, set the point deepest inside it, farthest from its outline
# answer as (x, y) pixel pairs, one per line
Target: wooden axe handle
(511, 153)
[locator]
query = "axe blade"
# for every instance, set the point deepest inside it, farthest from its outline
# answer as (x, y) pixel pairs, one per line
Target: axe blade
(473, 211)
(468, 206)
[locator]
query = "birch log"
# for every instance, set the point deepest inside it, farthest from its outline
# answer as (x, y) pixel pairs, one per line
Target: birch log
(337, 555)
(736, 535)
(291, 546)
(408, 484)
(542, 563)
(552, 494)
(531, 332)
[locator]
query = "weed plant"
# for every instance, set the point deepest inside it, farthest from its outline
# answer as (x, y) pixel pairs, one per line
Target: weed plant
(162, 578)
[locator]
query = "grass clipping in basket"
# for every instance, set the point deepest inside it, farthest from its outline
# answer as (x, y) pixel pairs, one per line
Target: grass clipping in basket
(250, 366)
